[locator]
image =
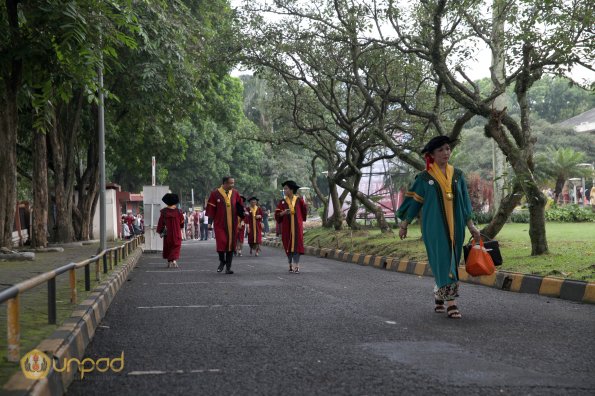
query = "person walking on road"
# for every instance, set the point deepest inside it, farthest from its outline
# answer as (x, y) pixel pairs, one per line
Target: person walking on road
(254, 216)
(170, 227)
(265, 221)
(225, 207)
(290, 214)
(204, 225)
(441, 191)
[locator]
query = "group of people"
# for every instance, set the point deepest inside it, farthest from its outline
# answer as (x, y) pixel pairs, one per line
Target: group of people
(196, 224)
(132, 225)
(438, 195)
(230, 219)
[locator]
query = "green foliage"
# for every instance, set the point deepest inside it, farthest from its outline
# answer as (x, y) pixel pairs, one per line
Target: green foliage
(570, 214)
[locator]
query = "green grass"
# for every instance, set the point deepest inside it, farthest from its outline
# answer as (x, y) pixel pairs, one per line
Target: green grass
(571, 247)
(34, 313)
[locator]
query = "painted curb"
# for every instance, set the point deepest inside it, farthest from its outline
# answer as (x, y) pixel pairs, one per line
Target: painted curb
(566, 289)
(71, 339)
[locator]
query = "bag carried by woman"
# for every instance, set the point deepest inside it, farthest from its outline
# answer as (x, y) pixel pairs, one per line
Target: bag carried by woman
(479, 262)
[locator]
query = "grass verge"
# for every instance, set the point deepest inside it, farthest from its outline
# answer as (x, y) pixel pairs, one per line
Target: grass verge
(571, 247)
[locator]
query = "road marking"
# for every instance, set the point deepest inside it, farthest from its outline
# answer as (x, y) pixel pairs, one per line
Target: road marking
(390, 322)
(281, 278)
(160, 372)
(250, 266)
(198, 306)
(189, 283)
(152, 372)
(175, 271)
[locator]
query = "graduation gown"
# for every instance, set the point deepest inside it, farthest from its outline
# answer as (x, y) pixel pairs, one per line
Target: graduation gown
(241, 229)
(254, 225)
(292, 225)
(173, 221)
(444, 251)
(225, 217)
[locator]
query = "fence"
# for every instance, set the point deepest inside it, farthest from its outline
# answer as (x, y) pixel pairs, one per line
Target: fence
(109, 258)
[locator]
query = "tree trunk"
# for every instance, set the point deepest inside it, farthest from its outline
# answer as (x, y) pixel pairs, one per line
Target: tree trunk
(352, 213)
(87, 189)
(537, 223)
(336, 219)
(8, 163)
(505, 208)
(40, 192)
(63, 143)
(559, 186)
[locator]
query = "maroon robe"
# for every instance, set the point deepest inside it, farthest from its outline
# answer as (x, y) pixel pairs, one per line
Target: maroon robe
(241, 231)
(293, 228)
(225, 219)
(254, 226)
(173, 221)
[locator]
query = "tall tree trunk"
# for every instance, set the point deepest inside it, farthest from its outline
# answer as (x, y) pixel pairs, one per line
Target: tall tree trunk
(87, 188)
(63, 142)
(40, 191)
(9, 121)
(8, 163)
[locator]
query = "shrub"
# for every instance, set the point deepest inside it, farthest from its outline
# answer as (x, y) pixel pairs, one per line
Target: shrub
(570, 214)
(482, 218)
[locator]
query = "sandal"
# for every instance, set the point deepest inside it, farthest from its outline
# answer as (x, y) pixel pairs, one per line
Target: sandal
(296, 270)
(453, 312)
(439, 308)
(291, 270)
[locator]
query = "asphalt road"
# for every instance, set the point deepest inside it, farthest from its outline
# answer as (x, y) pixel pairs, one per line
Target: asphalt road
(334, 329)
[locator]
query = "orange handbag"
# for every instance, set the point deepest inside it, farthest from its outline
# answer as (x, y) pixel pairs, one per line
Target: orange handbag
(479, 262)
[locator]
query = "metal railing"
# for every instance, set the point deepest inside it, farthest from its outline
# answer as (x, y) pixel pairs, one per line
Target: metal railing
(109, 258)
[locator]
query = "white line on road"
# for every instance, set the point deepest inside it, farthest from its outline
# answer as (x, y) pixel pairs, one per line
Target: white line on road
(188, 283)
(390, 322)
(175, 271)
(197, 306)
(160, 372)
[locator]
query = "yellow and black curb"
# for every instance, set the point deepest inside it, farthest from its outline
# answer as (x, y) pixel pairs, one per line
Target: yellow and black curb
(566, 289)
(71, 339)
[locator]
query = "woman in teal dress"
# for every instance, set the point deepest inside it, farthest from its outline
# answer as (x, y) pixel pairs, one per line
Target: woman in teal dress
(440, 194)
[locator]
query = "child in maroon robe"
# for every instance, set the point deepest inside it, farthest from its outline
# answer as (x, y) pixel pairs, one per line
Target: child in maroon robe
(170, 227)
(291, 213)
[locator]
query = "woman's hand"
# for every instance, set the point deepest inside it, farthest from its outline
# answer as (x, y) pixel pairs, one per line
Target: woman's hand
(475, 233)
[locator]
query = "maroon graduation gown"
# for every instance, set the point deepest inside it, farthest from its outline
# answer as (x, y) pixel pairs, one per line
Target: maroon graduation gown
(225, 218)
(292, 232)
(254, 226)
(173, 221)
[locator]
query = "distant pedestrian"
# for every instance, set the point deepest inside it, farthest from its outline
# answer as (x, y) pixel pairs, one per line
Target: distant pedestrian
(254, 218)
(224, 208)
(204, 225)
(290, 214)
(170, 226)
(442, 193)
(265, 221)
(592, 199)
(196, 222)
(190, 225)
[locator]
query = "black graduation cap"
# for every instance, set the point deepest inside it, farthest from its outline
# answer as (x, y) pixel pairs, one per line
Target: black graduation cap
(436, 142)
(170, 199)
(252, 199)
(291, 184)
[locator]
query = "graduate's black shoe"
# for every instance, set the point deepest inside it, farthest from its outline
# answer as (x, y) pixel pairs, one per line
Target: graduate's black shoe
(220, 268)
(227, 271)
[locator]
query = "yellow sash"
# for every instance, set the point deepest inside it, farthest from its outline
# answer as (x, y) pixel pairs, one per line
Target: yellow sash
(291, 204)
(227, 197)
(445, 182)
